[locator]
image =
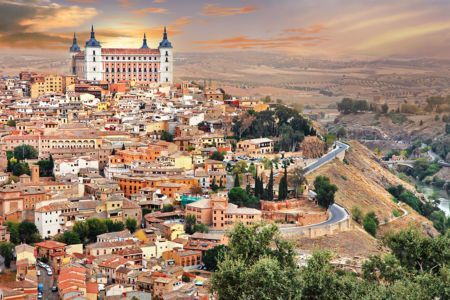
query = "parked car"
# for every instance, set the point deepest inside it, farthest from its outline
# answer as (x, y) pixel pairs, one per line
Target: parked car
(54, 288)
(39, 296)
(38, 272)
(49, 272)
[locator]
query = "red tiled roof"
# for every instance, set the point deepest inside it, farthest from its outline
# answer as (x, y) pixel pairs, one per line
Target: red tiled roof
(91, 288)
(50, 244)
(121, 51)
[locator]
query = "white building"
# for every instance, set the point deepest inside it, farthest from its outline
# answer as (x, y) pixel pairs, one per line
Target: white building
(53, 218)
(73, 166)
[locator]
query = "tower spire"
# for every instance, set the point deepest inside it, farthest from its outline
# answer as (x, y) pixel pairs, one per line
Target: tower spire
(92, 32)
(165, 43)
(144, 42)
(74, 47)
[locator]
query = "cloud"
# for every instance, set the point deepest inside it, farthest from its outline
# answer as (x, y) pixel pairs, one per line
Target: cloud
(316, 28)
(220, 11)
(279, 42)
(398, 35)
(125, 3)
(82, 1)
(159, 1)
(149, 10)
(30, 23)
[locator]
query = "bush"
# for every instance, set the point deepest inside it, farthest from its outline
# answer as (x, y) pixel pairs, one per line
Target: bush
(168, 208)
(357, 214)
(370, 223)
(396, 213)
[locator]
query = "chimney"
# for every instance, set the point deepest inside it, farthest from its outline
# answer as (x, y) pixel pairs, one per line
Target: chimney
(35, 174)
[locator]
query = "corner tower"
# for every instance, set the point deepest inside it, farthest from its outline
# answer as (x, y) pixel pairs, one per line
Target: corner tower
(93, 59)
(74, 50)
(166, 56)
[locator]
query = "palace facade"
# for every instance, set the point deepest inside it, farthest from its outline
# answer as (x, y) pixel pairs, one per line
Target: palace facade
(142, 65)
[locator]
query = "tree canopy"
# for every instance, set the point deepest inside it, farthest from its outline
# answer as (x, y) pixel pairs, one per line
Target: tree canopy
(25, 152)
(258, 264)
(325, 191)
(280, 121)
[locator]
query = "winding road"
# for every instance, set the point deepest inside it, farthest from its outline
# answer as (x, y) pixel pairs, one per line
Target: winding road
(339, 148)
(337, 212)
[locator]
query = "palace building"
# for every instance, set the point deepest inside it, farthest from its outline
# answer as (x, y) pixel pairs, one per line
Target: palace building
(143, 65)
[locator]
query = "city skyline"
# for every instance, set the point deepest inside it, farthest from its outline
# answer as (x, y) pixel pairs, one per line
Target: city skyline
(329, 28)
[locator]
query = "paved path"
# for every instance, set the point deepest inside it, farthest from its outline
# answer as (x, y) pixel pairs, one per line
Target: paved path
(339, 147)
(337, 212)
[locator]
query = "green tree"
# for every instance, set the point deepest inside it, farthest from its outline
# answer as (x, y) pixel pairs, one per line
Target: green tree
(418, 252)
(200, 228)
(21, 168)
(69, 238)
(168, 208)
(213, 256)
(95, 228)
(283, 186)
(298, 180)
(28, 232)
(254, 269)
(114, 226)
(370, 225)
(82, 229)
(11, 123)
(189, 223)
(25, 152)
(13, 228)
(166, 136)
(325, 191)
(216, 155)
(238, 196)
(185, 278)
(357, 214)
(7, 251)
(236, 180)
(269, 187)
(131, 224)
(240, 167)
(123, 146)
(214, 186)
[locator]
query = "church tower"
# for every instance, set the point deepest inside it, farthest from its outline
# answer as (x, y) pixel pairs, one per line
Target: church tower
(166, 54)
(93, 59)
(74, 49)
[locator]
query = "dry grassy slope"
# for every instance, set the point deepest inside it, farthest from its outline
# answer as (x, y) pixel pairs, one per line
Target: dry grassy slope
(362, 183)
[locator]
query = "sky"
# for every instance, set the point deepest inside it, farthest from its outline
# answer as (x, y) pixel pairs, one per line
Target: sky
(319, 28)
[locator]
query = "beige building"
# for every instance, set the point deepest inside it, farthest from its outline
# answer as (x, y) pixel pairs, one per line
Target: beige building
(50, 83)
(256, 146)
(220, 214)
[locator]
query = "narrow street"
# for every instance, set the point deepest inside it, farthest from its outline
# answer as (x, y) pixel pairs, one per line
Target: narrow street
(48, 282)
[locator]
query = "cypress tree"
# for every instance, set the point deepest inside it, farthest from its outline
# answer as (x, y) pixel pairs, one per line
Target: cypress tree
(248, 189)
(270, 186)
(283, 186)
(236, 180)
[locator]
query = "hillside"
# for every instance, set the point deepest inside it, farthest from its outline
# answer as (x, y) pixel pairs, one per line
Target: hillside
(362, 183)
(392, 127)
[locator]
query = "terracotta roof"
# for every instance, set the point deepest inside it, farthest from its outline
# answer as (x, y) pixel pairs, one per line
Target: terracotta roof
(125, 51)
(50, 244)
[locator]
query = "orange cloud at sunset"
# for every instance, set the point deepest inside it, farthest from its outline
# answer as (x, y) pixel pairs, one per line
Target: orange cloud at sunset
(215, 10)
(150, 10)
